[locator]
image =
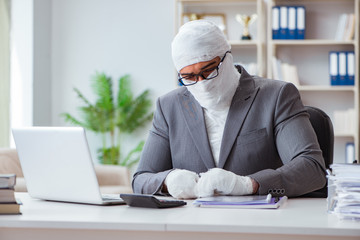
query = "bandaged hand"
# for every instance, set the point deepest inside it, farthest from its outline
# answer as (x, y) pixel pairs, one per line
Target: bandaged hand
(218, 181)
(182, 183)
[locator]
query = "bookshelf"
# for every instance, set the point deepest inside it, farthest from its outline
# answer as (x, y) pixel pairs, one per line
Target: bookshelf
(244, 51)
(310, 56)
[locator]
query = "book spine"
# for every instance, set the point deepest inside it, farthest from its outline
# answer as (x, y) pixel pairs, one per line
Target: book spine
(350, 59)
(342, 68)
(300, 22)
(284, 22)
(292, 23)
(276, 22)
(7, 180)
(333, 68)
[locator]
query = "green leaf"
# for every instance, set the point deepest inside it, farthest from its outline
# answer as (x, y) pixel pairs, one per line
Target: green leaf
(108, 155)
(81, 96)
(124, 92)
(102, 86)
(73, 120)
(131, 159)
(136, 115)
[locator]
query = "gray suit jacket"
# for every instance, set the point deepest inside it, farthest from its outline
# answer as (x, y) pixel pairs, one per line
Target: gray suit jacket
(267, 136)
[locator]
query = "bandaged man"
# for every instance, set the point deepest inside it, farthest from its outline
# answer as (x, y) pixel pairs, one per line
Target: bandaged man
(225, 132)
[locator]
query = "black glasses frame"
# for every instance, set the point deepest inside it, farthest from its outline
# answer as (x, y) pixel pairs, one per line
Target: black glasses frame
(180, 79)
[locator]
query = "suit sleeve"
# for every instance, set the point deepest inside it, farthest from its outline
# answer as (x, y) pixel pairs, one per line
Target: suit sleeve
(155, 162)
(304, 169)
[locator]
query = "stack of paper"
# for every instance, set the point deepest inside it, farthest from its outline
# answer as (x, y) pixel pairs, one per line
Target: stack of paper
(346, 27)
(344, 121)
(285, 72)
(344, 191)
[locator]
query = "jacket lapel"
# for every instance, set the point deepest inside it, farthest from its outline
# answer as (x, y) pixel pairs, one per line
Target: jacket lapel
(240, 106)
(194, 118)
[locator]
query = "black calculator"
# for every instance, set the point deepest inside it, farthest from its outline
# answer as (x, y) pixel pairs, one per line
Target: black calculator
(150, 201)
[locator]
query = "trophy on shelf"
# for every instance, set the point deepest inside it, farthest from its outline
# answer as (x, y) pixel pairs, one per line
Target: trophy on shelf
(246, 21)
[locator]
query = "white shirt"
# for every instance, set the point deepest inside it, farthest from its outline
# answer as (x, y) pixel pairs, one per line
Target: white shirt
(215, 123)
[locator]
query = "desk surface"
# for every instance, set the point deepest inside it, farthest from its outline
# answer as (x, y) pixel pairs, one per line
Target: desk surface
(305, 217)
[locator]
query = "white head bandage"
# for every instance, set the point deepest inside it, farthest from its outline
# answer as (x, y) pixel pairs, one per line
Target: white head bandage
(198, 41)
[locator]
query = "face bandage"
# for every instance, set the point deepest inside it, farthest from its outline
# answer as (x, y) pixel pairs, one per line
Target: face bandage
(217, 93)
(198, 41)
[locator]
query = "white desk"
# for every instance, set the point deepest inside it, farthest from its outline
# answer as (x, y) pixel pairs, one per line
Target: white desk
(297, 219)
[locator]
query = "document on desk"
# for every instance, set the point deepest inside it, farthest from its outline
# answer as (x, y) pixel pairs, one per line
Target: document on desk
(256, 201)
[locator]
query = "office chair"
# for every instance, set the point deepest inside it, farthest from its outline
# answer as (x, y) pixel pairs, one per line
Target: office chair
(323, 127)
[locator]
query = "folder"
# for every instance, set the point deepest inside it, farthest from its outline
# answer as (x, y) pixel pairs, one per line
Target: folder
(342, 68)
(350, 152)
(275, 22)
(340, 30)
(300, 22)
(350, 27)
(292, 23)
(253, 201)
(333, 68)
(283, 22)
(350, 59)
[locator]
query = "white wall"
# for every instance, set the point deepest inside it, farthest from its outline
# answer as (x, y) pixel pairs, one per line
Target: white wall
(21, 63)
(116, 37)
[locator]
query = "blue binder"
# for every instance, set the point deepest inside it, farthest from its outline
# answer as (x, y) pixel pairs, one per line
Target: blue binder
(283, 22)
(350, 70)
(300, 22)
(342, 68)
(334, 68)
(292, 23)
(276, 22)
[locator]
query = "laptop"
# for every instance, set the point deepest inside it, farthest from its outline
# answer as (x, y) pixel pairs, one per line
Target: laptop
(57, 165)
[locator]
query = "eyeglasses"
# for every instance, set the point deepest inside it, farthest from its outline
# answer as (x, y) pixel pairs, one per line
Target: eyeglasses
(207, 74)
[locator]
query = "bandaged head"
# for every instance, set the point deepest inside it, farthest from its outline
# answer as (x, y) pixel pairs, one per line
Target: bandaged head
(198, 41)
(201, 41)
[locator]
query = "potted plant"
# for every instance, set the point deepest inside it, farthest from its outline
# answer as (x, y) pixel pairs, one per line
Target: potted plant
(112, 118)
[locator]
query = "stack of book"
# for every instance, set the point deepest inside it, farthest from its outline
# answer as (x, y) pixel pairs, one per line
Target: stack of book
(8, 203)
(344, 191)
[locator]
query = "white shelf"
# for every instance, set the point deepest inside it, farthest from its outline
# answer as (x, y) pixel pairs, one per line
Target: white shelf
(327, 88)
(237, 43)
(312, 42)
(344, 135)
(310, 56)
